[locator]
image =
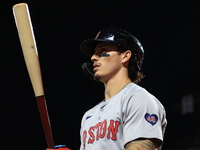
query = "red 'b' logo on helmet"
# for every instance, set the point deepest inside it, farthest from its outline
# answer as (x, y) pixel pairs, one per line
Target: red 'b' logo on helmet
(97, 35)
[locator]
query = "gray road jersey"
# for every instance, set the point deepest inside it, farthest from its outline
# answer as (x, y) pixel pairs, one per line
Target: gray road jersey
(132, 113)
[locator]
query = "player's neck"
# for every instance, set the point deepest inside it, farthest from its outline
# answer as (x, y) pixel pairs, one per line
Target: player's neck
(114, 86)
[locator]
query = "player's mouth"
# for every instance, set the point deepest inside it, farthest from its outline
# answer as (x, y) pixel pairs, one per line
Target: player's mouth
(95, 66)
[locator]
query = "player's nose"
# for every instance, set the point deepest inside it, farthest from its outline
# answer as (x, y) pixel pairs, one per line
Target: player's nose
(94, 57)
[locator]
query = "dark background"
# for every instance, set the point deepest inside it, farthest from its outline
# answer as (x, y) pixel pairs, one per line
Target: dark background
(168, 30)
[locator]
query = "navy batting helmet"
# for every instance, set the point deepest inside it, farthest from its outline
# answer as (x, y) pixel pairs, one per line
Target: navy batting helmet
(119, 37)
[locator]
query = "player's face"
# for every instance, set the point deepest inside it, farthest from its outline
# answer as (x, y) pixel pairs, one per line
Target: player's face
(107, 61)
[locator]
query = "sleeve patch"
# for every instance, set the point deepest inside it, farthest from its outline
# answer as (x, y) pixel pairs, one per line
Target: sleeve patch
(152, 119)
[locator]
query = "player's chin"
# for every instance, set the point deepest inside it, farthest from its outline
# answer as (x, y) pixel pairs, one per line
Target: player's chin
(97, 77)
(100, 78)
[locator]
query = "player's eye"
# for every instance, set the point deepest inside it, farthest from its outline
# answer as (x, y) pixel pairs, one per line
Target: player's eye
(103, 50)
(104, 53)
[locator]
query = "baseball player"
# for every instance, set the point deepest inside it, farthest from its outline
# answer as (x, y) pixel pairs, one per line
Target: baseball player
(129, 118)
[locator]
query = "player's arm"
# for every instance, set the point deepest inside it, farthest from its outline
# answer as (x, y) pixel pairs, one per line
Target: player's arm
(142, 144)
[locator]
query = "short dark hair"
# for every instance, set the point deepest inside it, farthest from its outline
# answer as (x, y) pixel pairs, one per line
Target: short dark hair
(133, 72)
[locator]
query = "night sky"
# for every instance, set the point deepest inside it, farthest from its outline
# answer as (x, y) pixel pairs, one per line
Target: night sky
(168, 30)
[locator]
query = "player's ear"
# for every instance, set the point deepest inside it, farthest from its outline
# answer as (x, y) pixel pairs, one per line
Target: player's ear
(126, 56)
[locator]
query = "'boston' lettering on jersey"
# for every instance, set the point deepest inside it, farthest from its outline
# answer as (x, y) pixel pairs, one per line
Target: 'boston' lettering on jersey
(101, 130)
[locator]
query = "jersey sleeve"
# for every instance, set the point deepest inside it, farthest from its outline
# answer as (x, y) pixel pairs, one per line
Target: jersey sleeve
(143, 117)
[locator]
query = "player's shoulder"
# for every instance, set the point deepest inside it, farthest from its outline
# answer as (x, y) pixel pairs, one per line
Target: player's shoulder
(140, 94)
(134, 89)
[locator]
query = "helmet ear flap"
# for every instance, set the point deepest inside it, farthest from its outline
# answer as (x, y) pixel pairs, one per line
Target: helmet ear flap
(88, 71)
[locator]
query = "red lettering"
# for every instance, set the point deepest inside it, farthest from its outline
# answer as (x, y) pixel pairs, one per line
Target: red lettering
(97, 127)
(84, 137)
(92, 137)
(100, 130)
(103, 129)
(113, 129)
(153, 119)
(149, 118)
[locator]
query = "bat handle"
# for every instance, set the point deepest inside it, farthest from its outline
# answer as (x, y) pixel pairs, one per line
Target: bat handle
(45, 120)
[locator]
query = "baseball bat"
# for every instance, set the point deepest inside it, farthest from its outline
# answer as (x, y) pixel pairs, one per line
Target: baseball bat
(29, 48)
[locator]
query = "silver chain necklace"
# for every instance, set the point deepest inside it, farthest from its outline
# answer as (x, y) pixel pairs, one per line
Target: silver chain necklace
(124, 86)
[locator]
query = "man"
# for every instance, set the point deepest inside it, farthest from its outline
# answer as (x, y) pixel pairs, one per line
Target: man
(129, 117)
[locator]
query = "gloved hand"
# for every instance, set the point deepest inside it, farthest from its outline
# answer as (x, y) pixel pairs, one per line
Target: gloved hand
(59, 147)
